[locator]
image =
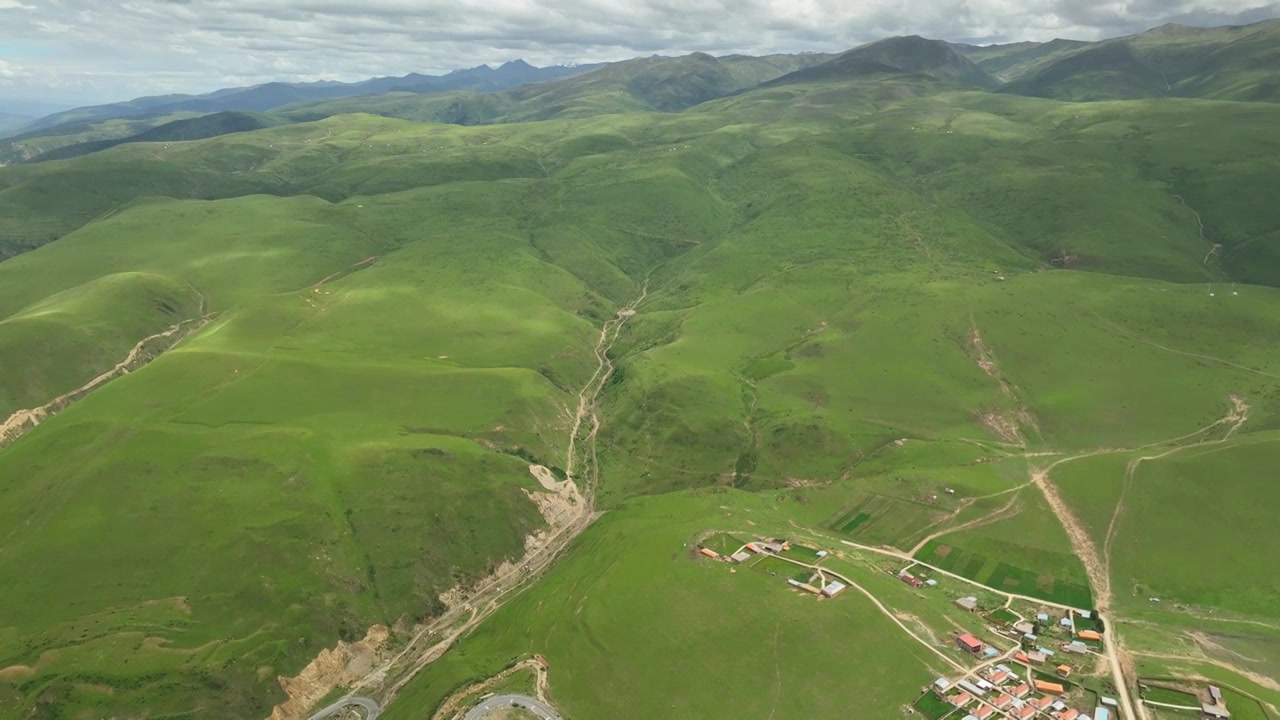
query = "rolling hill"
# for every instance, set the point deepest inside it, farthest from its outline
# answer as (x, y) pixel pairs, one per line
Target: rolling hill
(197, 128)
(1233, 63)
(371, 371)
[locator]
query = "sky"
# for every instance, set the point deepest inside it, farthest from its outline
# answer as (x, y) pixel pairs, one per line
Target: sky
(64, 53)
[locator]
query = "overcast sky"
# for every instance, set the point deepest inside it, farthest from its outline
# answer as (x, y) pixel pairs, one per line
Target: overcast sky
(75, 52)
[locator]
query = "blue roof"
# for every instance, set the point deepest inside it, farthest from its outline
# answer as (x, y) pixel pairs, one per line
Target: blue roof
(991, 652)
(1043, 616)
(1065, 622)
(1102, 714)
(942, 683)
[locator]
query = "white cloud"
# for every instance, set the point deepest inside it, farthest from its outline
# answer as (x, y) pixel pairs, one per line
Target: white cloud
(97, 50)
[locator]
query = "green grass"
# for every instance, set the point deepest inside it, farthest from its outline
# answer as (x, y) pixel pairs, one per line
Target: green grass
(650, 582)
(817, 258)
(1157, 693)
(932, 707)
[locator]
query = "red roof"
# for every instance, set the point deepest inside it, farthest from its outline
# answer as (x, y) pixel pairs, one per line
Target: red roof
(1025, 712)
(1022, 689)
(1022, 657)
(970, 641)
(1003, 700)
(999, 677)
(1068, 714)
(961, 700)
(984, 712)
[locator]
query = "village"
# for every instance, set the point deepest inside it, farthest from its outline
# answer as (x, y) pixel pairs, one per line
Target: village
(1046, 664)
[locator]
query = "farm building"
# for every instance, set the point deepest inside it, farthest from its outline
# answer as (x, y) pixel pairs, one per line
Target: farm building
(1031, 637)
(1077, 647)
(1109, 702)
(1089, 635)
(969, 643)
(822, 553)
(741, 556)
(1024, 627)
(941, 684)
(1086, 614)
(972, 689)
(1215, 711)
(1045, 686)
(967, 603)
(1216, 695)
(772, 547)
(833, 588)
(986, 685)
(1037, 658)
(910, 579)
(709, 552)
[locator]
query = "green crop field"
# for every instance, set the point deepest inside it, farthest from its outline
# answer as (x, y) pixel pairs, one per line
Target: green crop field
(871, 301)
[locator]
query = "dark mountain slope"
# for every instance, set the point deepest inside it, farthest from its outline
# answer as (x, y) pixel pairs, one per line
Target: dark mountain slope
(205, 126)
(911, 55)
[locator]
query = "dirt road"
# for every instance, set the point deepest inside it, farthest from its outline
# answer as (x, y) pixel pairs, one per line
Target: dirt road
(433, 639)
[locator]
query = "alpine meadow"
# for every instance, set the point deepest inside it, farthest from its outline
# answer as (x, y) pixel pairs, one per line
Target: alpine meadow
(794, 386)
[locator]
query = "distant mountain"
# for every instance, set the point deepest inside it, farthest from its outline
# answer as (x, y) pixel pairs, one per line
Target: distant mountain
(662, 84)
(1012, 61)
(1227, 63)
(260, 98)
(199, 128)
(13, 123)
(912, 55)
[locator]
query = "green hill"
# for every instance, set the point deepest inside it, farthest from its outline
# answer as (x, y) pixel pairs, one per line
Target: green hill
(1231, 63)
(197, 128)
(840, 300)
(1012, 61)
(34, 143)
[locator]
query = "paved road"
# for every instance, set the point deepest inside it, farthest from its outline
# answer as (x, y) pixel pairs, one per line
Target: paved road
(534, 705)
(371, 708)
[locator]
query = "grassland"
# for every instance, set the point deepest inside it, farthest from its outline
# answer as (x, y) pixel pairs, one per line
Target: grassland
(859, 295)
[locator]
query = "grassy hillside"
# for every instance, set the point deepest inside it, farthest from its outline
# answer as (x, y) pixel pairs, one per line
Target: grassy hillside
(856, 293)
(198, 128)
(1012, 61)
(34, 143)
(1231, 63)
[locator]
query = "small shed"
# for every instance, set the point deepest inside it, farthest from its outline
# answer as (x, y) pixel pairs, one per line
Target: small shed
(1064, 670)
(1089, 635)
(990, 652)
(709, 552)
(1086, 614)
(1045, 652)
(1215, 711)
(833, 588)
(1109, 702)
(1216, 694)
(1065, 622)
(1031, 637)
(967, 603)
(931, 582)
(822, 553)
(941, 684)
(1043, 617)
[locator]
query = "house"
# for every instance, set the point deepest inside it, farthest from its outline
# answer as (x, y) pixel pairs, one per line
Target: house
(1101, 713)
(709, 552)
(1215, 711)
(1216, 694)
(1003, 701)
(1077, 647)
(984, 712)
(1045, 686)
(1024, 627)
(1068, 714)
(968, 603)
(969, 643)
(999, 677)
(741, 556)
(1089, 635)
(1022, 690)
(941, 684)
(1064, 670)
(1043, 617)
(971, 688)
(961, 700)
(910, 579)
(1065, 622)
(1036, 658)
(1025, 713)
(1043, 702)
(833, 588)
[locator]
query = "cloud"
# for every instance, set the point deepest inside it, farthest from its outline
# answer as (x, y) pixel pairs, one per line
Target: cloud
(93, 50)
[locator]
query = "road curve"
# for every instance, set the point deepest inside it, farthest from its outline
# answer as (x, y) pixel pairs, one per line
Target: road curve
(371, 708)
(534, 705)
